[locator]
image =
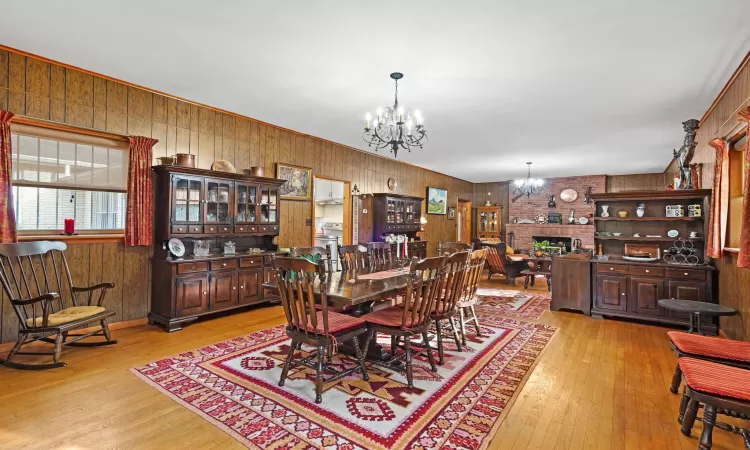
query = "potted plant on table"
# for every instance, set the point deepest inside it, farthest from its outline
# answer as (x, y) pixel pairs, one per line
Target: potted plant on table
(541, 248)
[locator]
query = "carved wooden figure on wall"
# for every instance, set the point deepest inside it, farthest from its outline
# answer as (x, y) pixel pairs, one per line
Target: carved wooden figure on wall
(685, 155)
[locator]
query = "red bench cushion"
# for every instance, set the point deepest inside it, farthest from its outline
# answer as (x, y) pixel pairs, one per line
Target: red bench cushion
(715, 378)
(710, 347)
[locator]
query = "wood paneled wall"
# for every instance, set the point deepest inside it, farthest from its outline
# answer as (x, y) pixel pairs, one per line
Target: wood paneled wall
(32, 87)
(636, 182)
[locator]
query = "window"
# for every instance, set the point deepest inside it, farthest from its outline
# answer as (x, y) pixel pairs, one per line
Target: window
(736, 195)
(64, 175)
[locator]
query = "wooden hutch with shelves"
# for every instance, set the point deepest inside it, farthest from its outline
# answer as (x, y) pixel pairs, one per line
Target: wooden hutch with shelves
(203, 205)
(392, 214)
(489, 222)
(632, 289)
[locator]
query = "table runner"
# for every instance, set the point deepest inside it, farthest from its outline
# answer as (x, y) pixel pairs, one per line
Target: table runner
(384, 274)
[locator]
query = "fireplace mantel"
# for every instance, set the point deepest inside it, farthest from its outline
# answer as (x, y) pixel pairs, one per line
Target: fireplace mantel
(523, 232)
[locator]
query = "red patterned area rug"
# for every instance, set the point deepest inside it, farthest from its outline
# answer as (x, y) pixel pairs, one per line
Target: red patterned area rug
(519, 304)
(234, 385)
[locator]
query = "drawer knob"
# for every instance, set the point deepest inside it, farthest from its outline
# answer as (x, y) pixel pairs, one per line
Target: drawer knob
(234, 288)
(242, 287)
(611, 268)
(224, 265)
(623, 294)
(179, 229)
(225, 229)
(648, 271)
(686, 273)
(204, 292)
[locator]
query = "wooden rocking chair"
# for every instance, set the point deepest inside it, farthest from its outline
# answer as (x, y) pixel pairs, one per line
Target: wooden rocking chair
(33, 275)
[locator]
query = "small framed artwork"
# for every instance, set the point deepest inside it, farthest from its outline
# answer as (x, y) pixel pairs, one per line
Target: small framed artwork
(451, 212)
(437, 200)
(298, 182)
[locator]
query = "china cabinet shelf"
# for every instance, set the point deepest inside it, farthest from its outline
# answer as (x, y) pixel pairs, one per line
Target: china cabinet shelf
(647, 219)
(645, 239)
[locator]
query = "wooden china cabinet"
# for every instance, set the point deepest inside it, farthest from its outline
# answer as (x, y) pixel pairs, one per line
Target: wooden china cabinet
(392, 214)
(202, 205)
(488, 222)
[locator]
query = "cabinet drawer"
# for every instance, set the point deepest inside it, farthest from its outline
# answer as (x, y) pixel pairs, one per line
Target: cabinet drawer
(240, 228)
(612, 268)
(192, 267)
(264, 228)
(224, 264)
(195, 229)
(647, 271)
(181, 229)
(224, 228)
(252, 228)
(211, 229)
(273, 228)
(687, 274)
(251, 262)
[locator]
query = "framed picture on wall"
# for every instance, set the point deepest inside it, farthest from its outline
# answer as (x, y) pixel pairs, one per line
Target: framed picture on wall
(451, 212)
(437, 200)
(298, 181)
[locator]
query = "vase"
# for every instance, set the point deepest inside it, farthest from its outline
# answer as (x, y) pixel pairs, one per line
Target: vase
(640, 210)
(605, 210)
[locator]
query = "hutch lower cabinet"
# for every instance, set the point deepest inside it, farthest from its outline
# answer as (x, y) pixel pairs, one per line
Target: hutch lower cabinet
(624, 289)
(211, 208)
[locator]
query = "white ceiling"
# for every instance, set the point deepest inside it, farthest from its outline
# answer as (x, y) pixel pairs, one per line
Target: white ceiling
(577, 86)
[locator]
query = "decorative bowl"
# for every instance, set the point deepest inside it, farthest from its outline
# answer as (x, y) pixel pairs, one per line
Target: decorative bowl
(616, 234)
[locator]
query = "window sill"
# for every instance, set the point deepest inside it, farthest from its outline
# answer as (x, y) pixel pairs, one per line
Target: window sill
(77, 239)
(731, 250)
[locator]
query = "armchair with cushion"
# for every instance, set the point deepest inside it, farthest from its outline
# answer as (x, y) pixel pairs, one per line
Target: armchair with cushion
(499, 262)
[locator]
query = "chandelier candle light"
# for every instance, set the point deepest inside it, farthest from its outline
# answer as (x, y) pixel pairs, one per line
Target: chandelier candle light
(395, 127)
(528, 186)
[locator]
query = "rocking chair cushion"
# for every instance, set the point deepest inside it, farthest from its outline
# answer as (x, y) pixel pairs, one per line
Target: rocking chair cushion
(65, 315)
(711, 347)
(715, 378)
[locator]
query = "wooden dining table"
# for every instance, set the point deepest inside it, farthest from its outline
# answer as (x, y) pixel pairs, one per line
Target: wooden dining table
(356, 291)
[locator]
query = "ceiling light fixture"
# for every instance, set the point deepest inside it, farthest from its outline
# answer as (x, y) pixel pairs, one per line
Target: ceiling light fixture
(528, 186)
(395, 127)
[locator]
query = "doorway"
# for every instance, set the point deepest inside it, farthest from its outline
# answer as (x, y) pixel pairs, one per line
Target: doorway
(463, 221)
(332, 214)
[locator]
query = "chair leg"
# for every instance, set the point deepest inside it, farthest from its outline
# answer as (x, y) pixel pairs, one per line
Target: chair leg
(441, 356)
(526, 282)
(463, 325)
(289, 358)
(709, 420)
(58, 348)
(683, 407)
(456, 336)
(16, 348)
(409, 374)
(319, 374)
(676, 378)
(394, 346)
(428, 349)
(361, 358)
(476, 320)
(689, 420)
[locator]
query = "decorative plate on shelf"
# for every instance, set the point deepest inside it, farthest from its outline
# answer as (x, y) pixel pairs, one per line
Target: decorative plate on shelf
(541, 218)
(176, 247)
(569, 195)
(223, 166)
(673, 233)
(583, 220)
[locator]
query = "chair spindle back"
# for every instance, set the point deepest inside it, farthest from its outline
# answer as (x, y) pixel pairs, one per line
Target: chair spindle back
(295, 278)
(454, 283)
(353, 257)
(425, 282)
(380, 254)
(474, 273)
(316, 254)
(447, 248)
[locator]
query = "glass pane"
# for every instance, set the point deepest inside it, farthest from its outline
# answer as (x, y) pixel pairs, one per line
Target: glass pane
(194, 210)
(48, 169)
(223, 212)
(117, 169)
(195, 190)
(241, 194)
(213, 192)
(264, 214)
(224, 194)
(180, 211)
(181, 189)
(83, 217)
(26, 214)
(84, 165)
(28, 158)
(211, 212)
(264, 196)
(272, 214)
(273, 196)
(241, 216)
(66, 163)
(252, 194)
(100, 172)
(251, 213)
(47, 209)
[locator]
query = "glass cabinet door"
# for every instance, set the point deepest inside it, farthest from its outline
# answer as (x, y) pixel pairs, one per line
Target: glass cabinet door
(247, 202)
(218, 198)
(483, 221)
(187, 200)
(493, 222)
(268, 204)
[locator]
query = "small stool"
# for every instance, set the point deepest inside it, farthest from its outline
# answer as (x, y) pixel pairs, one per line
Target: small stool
(724, 351)
(721, 389)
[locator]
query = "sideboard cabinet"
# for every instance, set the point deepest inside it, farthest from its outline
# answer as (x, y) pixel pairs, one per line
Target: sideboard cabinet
(215, 207)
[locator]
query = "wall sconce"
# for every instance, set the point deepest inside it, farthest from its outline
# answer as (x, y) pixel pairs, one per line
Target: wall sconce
(422, 223)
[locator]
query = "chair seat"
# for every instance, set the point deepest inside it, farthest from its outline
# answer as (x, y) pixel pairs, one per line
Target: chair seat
(337, 323)
(66, 315)
(390, 317)
(711, 347)
(715, 378)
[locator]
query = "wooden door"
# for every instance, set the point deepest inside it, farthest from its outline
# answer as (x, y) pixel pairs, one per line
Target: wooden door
(463, 213)
(218, 201)
(223, 289)
(687, 290)
(611, 292)
(187, 200)
(269, 275)
(250, 281)
(644, 294)
(191, 295)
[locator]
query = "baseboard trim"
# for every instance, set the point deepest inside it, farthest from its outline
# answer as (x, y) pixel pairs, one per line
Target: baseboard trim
(4, 348)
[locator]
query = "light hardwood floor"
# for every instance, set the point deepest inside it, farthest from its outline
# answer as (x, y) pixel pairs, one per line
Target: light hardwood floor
(601, 384)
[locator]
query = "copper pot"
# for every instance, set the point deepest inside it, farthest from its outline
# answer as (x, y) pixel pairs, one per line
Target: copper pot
(166, 160)
(185, 160)
(255, 171)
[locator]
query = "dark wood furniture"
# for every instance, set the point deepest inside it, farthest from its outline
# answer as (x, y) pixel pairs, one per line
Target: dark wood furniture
(35, 277)
(446, 248)
(196, 204)
(499, 262)
(695, 310)
(353, 257)
(629, 289)
(316, 327)
(392, 214)
(446, 304)
(416, 249)
(542, 267)
(425, 281)
(314, 254)
(719, 389)
(571, 285)
(469, 295)
(380, 253)
(489, 222)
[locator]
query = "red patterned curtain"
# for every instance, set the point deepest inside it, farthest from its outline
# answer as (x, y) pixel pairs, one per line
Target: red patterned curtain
(7, 213)
(744, 258)
(139, 218)
(719, 201)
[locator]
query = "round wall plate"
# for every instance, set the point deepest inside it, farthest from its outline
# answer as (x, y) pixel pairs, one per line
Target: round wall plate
(391, 183)
(583, 220)
(673, 233)
(176, 247)
(569, 195)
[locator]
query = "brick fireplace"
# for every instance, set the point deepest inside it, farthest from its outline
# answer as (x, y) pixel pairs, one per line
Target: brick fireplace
(529, 208)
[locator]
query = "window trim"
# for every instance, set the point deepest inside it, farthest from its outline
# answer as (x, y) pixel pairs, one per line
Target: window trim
(732, 142)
